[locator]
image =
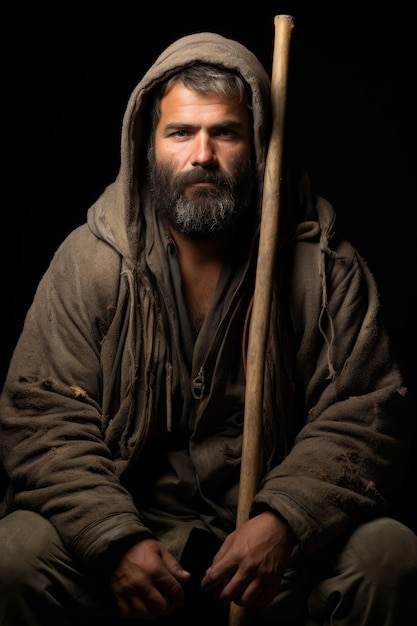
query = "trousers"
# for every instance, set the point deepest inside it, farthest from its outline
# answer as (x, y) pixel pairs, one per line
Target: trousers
(368, 579)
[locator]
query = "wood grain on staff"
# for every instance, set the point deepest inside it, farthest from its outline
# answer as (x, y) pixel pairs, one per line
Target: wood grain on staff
(268, 237)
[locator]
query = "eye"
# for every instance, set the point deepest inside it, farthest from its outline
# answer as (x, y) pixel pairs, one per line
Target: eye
(181, 133)
(228, 134)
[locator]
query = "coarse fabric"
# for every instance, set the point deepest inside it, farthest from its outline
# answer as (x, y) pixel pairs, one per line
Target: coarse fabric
(352, 584)
(113, 428)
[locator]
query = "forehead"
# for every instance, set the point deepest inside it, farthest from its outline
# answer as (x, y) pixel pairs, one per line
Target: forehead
(180, 101)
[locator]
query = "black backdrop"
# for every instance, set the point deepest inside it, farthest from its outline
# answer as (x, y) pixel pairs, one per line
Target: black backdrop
(351, 114)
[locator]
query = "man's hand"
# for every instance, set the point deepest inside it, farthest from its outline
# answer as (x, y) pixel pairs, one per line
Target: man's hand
(147, 581)
(249, 566)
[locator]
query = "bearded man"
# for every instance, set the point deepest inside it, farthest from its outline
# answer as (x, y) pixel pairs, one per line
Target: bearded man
(122, 412)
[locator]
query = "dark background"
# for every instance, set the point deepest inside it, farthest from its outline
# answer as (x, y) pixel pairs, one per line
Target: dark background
(351, 109)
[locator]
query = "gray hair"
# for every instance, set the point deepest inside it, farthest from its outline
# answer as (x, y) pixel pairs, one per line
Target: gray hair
(204, 79)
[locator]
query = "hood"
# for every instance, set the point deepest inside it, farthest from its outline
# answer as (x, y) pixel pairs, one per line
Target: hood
(116, 216)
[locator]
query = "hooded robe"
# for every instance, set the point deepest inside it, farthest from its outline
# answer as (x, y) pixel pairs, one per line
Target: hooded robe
(116, 422)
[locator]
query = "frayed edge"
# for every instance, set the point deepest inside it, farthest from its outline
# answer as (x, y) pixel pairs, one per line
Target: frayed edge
(326, 251)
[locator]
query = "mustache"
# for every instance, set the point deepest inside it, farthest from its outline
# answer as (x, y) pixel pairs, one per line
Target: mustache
(202, 175)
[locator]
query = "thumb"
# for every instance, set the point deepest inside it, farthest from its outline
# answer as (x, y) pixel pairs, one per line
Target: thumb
(175, 567)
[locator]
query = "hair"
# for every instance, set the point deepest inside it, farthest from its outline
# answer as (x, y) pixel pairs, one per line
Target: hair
(204, 79)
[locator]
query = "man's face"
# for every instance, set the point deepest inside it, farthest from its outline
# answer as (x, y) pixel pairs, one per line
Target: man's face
(200, 169)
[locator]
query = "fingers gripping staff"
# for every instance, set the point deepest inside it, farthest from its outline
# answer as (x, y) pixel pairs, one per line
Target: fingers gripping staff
(249, 476)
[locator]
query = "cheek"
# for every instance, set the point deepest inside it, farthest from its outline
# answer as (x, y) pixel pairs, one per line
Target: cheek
(173, 155)
(245, 151)
(227, 158)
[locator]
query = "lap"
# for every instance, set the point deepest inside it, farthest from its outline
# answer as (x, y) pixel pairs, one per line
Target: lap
(379, 554)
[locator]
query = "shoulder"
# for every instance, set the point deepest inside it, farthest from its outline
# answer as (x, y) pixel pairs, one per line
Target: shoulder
(81, 244)
(331, 267)
(84, 265)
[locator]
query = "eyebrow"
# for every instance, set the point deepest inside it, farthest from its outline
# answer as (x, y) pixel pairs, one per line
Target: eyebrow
(184, 125)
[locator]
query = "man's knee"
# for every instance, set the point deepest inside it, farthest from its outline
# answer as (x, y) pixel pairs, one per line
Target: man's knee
(25, 538)
(384, 550)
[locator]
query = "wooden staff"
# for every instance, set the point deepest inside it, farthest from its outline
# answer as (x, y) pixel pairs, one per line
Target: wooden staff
(258, 332)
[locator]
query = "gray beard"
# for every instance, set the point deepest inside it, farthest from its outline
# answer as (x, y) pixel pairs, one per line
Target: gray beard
(205, 215)
(210, 212)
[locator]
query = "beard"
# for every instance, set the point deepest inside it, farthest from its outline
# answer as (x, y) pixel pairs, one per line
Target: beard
(201, 212)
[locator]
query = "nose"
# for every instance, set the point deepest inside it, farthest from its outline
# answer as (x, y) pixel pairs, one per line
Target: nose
(204, 153)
